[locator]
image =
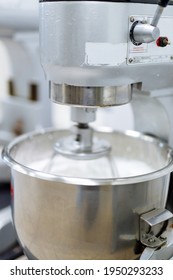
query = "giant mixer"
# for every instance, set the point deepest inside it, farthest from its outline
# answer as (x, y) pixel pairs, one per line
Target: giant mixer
(98, 193)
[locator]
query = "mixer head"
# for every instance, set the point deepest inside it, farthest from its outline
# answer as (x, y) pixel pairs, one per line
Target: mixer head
(94, 53)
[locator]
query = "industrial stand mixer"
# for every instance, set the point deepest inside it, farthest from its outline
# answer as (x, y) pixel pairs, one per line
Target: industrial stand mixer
(100, 194)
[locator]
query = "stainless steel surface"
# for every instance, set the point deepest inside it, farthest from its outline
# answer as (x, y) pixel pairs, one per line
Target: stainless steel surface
(157, 15)
(90, 96)
(156, 217)
(129, 146)
(163, 253)
(161, 6)
(152, 226)
(145, 33)
(83, 115)
(147, 253)
(63, 217)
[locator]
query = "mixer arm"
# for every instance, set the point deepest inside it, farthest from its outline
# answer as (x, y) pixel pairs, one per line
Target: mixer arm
(161, 5)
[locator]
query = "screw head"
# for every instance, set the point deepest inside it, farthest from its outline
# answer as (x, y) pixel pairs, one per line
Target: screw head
(144, 21)
(132, 19)
(163, 238)
(151, 240)
(130, 60)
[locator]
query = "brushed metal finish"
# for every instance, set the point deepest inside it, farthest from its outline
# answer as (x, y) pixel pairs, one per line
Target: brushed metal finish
(55, 220)
(90, 96)
(157, 15)
(145, 33)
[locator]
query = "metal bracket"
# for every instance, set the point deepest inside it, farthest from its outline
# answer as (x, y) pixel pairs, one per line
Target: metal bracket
(151, 225)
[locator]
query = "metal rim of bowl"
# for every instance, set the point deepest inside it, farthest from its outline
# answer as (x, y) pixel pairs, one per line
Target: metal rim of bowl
(86, 181)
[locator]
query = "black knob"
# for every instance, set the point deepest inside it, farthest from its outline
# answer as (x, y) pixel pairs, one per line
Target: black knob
(163, 3)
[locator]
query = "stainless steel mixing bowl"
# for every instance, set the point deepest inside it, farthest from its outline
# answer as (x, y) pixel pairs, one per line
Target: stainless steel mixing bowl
(89, 215)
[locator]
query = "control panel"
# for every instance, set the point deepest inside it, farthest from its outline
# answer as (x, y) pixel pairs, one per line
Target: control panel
(160, 50)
